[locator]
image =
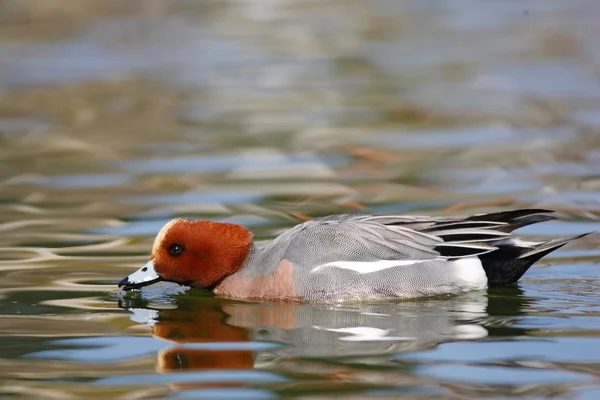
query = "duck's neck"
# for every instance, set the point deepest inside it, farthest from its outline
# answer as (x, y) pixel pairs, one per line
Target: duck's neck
(251, 264)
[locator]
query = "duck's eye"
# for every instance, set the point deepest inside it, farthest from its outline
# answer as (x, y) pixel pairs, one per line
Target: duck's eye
(176, 249)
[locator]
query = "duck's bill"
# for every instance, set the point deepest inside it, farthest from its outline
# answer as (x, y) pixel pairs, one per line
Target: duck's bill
(142, 277)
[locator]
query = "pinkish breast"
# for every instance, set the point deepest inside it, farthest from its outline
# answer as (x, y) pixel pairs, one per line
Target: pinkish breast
(279, 285)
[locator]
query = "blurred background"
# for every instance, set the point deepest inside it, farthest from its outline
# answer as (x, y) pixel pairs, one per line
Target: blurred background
(116, 116)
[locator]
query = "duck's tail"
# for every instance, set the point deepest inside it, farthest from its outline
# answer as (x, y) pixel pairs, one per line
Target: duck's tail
(514, 257)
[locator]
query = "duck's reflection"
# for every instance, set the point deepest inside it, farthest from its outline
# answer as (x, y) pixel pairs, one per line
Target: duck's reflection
(230, 332)
(197, 322)
(200, 326)
(366, 329)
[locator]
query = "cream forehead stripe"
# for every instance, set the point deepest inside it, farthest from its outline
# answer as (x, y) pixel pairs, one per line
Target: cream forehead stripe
(163, 232)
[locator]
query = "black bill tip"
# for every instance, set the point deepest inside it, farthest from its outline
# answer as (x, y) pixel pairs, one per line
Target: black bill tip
(126, 285)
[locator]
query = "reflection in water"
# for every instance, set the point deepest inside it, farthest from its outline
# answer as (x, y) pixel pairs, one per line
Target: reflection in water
(116, 117)
(318, 341)
(304, 330)
(196, 322)
(197, 326)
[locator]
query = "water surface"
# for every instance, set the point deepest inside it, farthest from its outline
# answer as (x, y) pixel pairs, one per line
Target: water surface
(116, 117)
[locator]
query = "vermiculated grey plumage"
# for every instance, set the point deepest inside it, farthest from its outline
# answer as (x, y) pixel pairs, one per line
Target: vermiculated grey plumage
(432, 241)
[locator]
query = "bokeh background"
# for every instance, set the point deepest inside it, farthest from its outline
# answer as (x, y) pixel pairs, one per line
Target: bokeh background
(116, 116)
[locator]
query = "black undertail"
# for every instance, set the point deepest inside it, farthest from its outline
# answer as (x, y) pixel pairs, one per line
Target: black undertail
(488, 236)
(508, 264)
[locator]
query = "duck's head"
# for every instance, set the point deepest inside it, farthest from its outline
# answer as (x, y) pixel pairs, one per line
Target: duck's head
(193, 253)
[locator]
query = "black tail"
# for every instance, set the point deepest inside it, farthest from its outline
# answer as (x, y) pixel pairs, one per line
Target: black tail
(516, 218)
(508, 264)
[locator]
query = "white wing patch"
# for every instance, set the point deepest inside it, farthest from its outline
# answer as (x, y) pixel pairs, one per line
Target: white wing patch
(365, 267)
(469, 270)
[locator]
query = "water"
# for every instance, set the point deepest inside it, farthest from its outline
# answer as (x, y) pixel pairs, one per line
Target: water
(116, 117)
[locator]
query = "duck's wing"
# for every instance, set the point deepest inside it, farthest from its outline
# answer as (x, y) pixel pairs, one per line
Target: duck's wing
(371, 238)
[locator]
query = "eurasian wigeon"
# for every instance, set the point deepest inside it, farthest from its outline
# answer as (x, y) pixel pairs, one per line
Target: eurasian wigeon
(348, 257)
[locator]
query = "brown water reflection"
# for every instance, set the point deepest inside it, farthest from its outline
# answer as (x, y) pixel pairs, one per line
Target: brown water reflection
(118, 116)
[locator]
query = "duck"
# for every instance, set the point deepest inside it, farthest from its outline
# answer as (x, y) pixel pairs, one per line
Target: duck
(348, 257)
